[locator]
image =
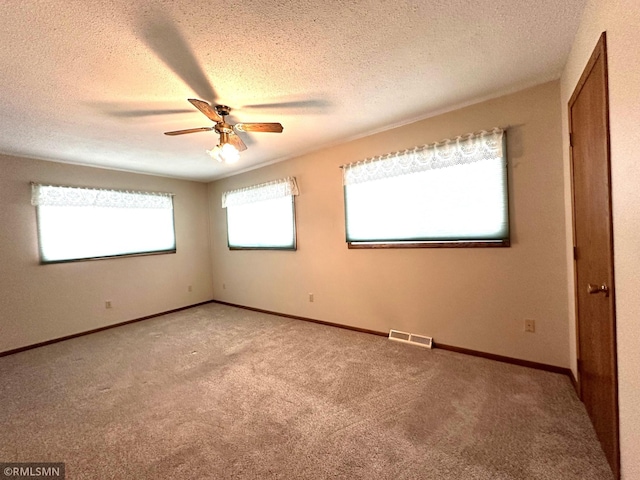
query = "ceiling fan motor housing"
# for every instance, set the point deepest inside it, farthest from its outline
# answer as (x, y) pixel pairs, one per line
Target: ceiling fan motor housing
(222, 127)
(223, 110)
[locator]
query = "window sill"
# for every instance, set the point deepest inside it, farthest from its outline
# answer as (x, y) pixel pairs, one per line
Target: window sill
(289, 249)
(437, 244)
(124, 255)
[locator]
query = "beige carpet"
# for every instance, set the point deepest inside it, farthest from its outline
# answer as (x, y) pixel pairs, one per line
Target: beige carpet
(219, 392)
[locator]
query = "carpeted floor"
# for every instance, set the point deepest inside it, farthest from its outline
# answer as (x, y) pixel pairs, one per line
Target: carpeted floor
(223, 393)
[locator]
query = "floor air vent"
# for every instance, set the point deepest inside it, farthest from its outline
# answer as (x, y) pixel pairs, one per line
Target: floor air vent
(412, 338)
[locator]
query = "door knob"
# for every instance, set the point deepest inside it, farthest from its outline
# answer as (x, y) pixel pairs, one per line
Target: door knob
(593, 289)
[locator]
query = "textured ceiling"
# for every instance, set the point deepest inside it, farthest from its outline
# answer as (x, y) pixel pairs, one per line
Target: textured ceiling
(98, 82)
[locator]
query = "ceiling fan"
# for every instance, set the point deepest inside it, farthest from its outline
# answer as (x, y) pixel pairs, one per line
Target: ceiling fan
(230, 146)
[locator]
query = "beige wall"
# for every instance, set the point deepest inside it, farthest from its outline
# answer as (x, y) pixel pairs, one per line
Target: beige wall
(472, 298)
(43, 302)
(621, 20)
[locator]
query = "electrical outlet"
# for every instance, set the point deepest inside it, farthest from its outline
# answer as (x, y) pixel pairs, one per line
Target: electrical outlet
(311, 297)
(530, 326)
(189, 288)
(107, 304)
(224, 286)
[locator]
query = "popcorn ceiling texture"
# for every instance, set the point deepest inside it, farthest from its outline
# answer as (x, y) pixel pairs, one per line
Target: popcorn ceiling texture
(97, 83)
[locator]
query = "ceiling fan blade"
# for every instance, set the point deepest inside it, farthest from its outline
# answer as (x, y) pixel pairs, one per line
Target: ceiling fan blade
(301, 104)
(237, 142)
(149, 113)
(189, 130)
(207, 109)
(258, 127)
(164, 37)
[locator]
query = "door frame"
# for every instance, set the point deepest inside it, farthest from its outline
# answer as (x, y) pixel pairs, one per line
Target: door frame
(600, 50)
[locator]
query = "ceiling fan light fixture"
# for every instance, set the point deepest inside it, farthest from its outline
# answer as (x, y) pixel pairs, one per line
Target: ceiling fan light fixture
(225, 153)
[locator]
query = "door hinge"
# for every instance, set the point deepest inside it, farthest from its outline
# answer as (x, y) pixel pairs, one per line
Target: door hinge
(571, 139)
(575, 253)
(579, 365)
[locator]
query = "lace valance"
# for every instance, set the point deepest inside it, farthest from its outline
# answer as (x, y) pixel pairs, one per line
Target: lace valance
(465, 149)
(49, 195)
(256, 193)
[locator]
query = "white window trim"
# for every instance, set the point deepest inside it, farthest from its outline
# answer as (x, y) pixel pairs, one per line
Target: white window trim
(64, 196)
(464, 149)
(284, 187)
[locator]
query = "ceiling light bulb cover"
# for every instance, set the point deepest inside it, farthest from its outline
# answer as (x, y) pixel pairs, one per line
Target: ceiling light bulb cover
(225, 153)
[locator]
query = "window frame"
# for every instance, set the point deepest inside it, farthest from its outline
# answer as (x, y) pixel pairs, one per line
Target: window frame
(291, 248)
(259, 193)
(44, 261)
(439, 243)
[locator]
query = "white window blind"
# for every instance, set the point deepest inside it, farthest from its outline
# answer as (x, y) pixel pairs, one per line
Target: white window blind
(453, 191)
(262, 216)
(88, 223)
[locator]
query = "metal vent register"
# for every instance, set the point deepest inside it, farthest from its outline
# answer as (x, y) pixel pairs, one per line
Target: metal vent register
(405, 337)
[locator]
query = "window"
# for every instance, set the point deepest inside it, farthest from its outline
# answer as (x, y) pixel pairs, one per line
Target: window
(453, 193)
(88, 223)
(262, 216)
